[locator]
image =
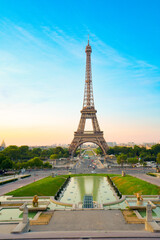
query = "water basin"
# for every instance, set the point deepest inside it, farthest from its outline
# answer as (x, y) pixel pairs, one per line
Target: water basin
(96, 186)
(134, 204)
(13, 214)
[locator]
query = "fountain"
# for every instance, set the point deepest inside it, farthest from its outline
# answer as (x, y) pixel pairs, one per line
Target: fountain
(139, 203)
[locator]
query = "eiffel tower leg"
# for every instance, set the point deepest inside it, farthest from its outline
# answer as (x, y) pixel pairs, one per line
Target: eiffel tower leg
(95, 124)
(74, 145)
(103, 145)
(81, 124)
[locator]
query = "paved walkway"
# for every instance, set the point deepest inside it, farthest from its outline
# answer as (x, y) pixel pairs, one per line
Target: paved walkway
(147, 178)
(84, 235)
(21, 182)
(88, 220)
(7, 228)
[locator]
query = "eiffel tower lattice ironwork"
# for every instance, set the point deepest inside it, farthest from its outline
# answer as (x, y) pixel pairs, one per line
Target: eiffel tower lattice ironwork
(88, 112)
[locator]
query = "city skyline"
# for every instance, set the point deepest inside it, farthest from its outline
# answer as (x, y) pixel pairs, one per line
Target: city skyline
(42, 69)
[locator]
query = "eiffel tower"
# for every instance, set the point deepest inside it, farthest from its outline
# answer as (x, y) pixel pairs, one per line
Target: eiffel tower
(88, 112)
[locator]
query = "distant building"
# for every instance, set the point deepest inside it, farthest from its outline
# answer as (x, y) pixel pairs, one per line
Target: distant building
(131, 144)
(3, 146)
(112, 144)
(122, 144)
(88, 145)
(49, 146)
(148, 145)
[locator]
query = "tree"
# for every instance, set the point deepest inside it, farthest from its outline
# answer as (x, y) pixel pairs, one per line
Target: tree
(66, 152)
(59, 150)
(158, 158)
(132, 160)
(143, 155)
(18, 165)
(121, 158)
(12, 152)
(2, 157)
(156, 149)
(99, 151)
(137, 150)
(24, 152)
(24, 165)
(150, 158)
(47, 165)
(66, 155)
(36, 152)
(110, 151)
(60, 155)
(7, 164)
(54, 156)
(35, 162)
(45, 154)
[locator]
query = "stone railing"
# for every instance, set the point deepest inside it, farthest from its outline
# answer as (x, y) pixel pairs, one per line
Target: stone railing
(60, 203)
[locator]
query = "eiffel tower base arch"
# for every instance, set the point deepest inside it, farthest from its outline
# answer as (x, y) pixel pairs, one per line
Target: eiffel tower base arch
(80, 138)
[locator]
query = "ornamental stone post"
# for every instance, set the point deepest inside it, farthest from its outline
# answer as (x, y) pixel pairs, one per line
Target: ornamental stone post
(149, 213)
(25, 214)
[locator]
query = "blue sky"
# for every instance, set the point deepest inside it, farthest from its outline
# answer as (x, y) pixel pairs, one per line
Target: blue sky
(42, 69)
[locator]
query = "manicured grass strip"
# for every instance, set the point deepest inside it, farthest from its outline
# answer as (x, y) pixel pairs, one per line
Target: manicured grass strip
(8, 181)
(151, 174)
(30, 214)
(25, 176)
(45, 187)
(89, 153)
(129, 185)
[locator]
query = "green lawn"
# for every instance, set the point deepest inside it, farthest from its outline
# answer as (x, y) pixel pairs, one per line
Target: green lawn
(129, 185)
(45, 187)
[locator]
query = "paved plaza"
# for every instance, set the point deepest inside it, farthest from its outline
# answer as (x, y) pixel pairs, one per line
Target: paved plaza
(117, 235)
(88, 220)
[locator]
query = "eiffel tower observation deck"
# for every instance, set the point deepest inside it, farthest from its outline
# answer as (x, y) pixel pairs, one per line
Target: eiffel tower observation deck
(88, 112)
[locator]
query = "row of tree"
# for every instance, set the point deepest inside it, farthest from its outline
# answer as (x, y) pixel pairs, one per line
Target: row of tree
(135, 152)
(25, 153)
(19, 157)
(24, 157)
(122, 158)
(35, 162)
